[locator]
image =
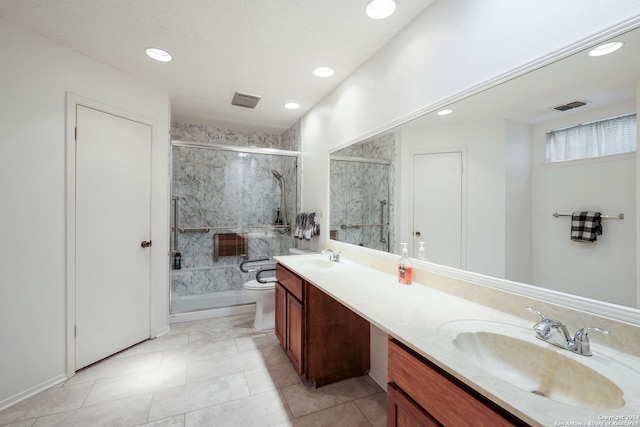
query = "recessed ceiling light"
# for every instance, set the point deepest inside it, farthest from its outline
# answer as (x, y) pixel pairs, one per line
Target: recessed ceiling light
(380, 9)
(292, 105)
(605, 49)
(158, 54)
(444, 112)
(323, 72)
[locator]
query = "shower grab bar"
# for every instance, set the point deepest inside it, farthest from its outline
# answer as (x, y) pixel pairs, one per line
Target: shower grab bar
(205, 229)
(174, 247)
(345, 226)
(268, 226)
(259, 274)
(382, 203)
(242, 264)
(194, 229)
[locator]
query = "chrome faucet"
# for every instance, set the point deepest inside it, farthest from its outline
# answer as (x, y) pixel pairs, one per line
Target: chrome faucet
(334, 257)
(556, 333)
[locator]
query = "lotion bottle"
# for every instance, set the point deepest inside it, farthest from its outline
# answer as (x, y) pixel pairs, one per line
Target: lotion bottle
(405, 271)
(421, 252)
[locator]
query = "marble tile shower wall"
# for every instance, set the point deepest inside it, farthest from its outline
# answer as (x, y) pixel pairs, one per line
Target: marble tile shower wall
(357, 189)
(220, 188)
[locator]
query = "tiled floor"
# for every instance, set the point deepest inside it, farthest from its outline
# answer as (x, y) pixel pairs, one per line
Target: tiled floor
(214, 372)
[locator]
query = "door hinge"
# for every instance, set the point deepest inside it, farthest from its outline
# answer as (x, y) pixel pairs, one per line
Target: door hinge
(76, 133)
(75, 331)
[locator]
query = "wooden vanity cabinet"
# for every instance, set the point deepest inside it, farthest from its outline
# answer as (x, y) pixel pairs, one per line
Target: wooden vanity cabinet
(421, 394)
(326, 341)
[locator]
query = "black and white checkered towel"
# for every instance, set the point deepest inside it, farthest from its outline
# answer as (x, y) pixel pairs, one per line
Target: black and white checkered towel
(585, 226)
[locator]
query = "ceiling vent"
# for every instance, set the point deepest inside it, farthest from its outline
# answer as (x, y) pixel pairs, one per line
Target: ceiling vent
(569, 106)
(245, 100)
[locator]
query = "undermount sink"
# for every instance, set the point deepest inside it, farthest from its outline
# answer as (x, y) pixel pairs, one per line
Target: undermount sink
(535, 367)
(317, 263)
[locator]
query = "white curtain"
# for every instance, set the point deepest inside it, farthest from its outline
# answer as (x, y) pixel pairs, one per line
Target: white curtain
(596, 139)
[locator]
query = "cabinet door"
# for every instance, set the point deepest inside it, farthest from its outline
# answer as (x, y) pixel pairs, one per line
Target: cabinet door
(404, 412)
(281, 315)
(295, 331)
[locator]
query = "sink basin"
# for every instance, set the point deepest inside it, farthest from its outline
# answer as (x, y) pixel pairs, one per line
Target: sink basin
(535, 367)
(317, 263)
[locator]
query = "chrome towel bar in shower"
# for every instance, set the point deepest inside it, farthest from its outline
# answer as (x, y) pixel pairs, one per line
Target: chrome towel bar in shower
(619, 216)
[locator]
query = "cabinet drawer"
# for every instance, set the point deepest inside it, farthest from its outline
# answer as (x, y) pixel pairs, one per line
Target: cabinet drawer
(447, 399)
(290, 281)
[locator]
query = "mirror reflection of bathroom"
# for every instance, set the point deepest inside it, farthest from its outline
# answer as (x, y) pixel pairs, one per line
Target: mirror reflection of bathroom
(231, 214)
(362, 194)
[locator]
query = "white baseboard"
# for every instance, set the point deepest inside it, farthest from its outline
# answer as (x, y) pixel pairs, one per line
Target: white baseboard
(214, 312)
(32, 391)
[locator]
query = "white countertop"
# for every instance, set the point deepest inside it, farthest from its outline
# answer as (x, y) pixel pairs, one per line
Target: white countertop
(414, 315)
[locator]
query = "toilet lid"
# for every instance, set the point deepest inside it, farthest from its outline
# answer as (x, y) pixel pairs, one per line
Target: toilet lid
(255, 285)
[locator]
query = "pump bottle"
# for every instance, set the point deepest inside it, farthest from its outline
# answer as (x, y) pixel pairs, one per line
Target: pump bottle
(405, 271)
(421, 252)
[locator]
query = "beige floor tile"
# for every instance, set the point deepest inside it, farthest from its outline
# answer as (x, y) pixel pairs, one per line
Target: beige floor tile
(374, 407)
(198, 352)
(271, 377)
(52, 401)
(218, 334)
(177, 421)
(256, 341)
(345, 415)
(262, 410)
(117, 366)
(164, 342)
(242, 320)
(121, 413)
(274, 354)
(177, 400)
(207, 369)
(207, 372)
(110, 389)
(26, 423)
(197, 325)
(304, 400)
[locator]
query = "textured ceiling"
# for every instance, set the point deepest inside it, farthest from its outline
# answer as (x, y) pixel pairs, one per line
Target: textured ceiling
(267, 48)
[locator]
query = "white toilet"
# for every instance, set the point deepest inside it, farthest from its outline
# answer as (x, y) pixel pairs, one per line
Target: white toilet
(264, 294)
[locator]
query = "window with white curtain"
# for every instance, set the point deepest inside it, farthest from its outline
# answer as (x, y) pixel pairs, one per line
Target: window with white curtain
(596, 139)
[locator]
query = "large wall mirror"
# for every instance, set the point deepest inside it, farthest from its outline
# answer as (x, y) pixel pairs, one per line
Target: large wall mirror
(474, 185)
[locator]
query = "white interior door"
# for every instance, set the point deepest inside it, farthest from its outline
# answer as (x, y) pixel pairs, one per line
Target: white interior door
(437, 207)
(113, 167)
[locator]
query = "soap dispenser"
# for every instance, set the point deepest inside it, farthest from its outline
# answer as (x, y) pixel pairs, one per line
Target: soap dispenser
(421, 252)
(405, 271)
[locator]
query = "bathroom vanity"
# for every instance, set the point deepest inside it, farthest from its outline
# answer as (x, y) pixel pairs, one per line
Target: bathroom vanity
(325, 341)
(455, 357)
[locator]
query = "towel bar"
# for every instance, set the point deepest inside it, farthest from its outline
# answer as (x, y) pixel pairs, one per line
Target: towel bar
(619, 216)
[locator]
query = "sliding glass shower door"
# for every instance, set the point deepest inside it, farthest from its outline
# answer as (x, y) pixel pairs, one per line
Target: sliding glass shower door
(227, 208)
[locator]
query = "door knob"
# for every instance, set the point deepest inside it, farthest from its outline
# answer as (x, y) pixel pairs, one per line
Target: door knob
(417, 233)
(145, 244)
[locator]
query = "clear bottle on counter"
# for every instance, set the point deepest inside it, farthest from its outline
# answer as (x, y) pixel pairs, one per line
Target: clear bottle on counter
(421, 252)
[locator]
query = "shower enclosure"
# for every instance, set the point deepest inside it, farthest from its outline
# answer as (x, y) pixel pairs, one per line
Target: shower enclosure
(229, 205)
(360, 194)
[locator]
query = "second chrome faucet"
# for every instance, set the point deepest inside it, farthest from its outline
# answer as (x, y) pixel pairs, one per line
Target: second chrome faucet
(556, 333)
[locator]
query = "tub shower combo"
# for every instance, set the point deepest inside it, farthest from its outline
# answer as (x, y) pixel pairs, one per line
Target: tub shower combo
(230, 207)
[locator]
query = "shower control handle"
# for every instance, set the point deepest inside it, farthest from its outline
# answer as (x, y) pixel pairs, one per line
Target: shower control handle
(145, 244)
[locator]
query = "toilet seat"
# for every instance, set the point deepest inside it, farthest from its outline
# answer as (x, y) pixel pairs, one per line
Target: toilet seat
(254, 285)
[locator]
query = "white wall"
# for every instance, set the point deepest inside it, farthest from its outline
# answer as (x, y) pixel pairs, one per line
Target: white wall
(606, 185)
(453, 47)
(518, 185)
(484, 181)
(36, 75)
